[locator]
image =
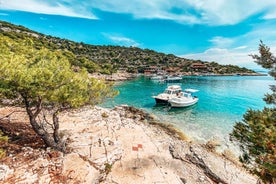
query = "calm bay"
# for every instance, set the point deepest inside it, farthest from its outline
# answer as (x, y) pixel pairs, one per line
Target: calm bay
(222, 101)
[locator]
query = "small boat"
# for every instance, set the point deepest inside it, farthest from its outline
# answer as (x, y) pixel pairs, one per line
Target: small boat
(169, 93)
(158, 77)
(184, 99)
(173, 78)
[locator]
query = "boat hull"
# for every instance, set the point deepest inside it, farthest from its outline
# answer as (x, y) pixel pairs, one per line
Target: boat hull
(173, 79)
(161, 101)
(169, 93)
(179, 103)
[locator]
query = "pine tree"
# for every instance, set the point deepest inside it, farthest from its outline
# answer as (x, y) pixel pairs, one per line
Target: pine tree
(256, 134)
(42, 80)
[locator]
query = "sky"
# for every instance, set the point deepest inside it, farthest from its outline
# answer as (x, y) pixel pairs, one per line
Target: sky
(224, 31)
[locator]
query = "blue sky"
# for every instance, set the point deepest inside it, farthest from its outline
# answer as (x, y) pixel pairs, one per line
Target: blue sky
(211, 30)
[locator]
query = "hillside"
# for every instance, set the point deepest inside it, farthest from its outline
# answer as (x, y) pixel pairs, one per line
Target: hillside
(108, 59)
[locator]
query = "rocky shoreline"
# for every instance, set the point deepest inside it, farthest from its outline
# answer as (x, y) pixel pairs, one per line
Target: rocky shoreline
(123, 76)
(120, 145)
(119, 76)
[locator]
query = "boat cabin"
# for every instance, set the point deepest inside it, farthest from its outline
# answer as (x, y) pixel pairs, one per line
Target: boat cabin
(174, 89)
(188, 92)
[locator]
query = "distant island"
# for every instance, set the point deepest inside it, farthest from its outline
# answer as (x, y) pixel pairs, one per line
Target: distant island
(108, 60)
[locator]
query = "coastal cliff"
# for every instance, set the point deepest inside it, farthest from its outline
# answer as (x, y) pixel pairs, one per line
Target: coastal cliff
(120, 145)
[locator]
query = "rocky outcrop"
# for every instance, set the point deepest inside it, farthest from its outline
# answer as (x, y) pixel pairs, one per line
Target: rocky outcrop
(118, 76)
(122, 145)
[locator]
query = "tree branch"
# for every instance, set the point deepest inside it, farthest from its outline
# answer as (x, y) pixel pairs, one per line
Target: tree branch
(56, 122)
(8, 115)
(38, 107)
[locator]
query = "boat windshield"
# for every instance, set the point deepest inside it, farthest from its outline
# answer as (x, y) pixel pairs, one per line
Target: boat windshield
(187, 95)
(172, 91)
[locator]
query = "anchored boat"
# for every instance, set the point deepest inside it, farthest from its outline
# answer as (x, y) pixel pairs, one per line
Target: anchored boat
(184, 99)
(169, 93)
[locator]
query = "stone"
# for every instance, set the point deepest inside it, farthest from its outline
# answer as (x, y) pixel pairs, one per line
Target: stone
(5, 171)
(102, 152)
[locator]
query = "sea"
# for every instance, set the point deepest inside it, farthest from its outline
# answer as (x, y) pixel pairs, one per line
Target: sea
(222, 102)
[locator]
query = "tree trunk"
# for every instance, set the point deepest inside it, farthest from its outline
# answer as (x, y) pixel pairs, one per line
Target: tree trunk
(56, 126)
(48, 138)
(51, 140)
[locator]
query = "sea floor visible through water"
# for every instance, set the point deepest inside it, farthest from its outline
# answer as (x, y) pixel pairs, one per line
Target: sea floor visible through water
(222, 102)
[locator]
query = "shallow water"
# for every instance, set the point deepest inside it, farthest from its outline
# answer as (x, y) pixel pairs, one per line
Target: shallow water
(222, 101)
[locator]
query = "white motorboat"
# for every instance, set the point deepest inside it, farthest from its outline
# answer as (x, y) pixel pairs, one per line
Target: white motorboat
(173, 78)
(169, 93)
(184, 99)
(157, 77)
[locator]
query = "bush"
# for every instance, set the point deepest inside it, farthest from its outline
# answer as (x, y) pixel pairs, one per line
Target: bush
(3, 141)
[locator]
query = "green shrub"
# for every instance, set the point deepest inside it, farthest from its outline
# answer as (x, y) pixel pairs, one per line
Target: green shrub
(3, 140)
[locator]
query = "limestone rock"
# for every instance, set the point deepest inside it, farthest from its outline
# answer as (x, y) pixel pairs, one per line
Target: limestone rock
(120, 145)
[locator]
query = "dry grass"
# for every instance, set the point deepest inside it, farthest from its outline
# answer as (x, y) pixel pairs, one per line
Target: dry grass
(229, 155)
(3, 142)
(104, 115)
(211, 145)
(171, 130)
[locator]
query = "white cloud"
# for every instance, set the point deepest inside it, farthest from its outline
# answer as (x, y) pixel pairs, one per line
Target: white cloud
(270, 15)
(221, 12)
(44, 7)
(225, 56)
(264, 32)
(211, 12)
(241, 47)
(236, 50)
(153, 9)
(121, 40)
(221, 42)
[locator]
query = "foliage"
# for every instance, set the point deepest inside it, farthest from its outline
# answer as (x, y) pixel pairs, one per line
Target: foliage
(267, 60)
(257, 137)
(131, 70)
(104, 115)
(3, 140)
(41, 79)
(108, 59)
(256, 134)
(107, 168)
(108, 69)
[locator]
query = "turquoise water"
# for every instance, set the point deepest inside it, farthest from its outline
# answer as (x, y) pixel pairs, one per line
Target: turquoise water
(222, 102)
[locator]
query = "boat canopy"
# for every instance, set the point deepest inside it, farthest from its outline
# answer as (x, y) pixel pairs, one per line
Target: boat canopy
(174, 87)
(190, 90)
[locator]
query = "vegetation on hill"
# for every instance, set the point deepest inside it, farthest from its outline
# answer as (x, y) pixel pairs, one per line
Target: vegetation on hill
(44, 82)
(108, 59)
(257, 132)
